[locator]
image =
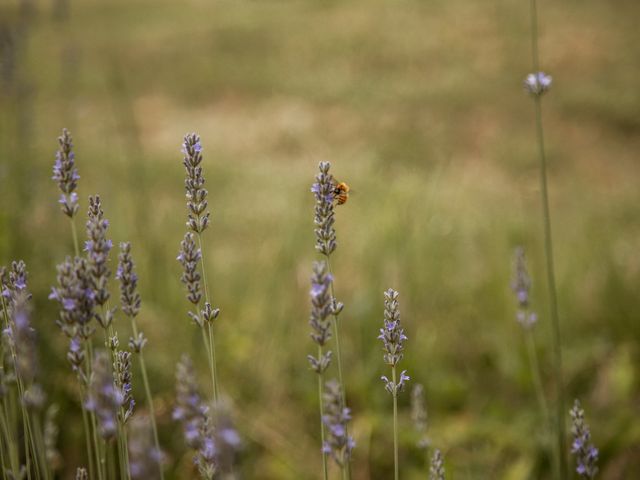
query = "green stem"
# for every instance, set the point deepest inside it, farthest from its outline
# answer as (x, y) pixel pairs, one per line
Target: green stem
(212, 348)
(147, 391)
(87, 438)
(396, 468)
(548, 244)
(325, 474)
(212, 345)
(74, 234)
(10, 442)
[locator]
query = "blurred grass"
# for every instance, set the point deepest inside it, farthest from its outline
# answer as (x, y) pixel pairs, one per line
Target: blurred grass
(418, 105)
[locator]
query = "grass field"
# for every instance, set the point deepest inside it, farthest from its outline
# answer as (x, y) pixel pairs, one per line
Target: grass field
(419, 106)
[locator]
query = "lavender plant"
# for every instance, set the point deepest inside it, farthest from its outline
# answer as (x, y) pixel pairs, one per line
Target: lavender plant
(393, 337)
(537, 83)
(66, 176)
(585, 452)
(321, 307)
(197, 222)
(339, 444)
(130, 305)
(436, 471)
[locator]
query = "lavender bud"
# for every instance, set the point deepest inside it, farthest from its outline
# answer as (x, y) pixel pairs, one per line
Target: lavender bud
(75, 355)
(143, 456)
(104, 398)
(537, 83)
(137, 344)
(419, 415)
(98, 247)
(436, 471)
(338, 443)
(392, 335)
(198, 217)
(209, 314)
(81, 474)
(324, 215)
(122, 380)
(129, 296)
(189, 257)
(521, 284)
(322, 305)
(52, 455)
(34, 397)
(66, 174)
(586, 454)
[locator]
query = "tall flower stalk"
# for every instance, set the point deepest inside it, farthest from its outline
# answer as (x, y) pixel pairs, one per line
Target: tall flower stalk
(393, 337)
(130, 305)
(320, 322)
(537, 83)
(585, 452)
(197, 222)
(338, 443)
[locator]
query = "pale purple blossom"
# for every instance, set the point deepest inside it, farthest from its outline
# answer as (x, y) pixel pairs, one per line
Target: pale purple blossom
(537, 83)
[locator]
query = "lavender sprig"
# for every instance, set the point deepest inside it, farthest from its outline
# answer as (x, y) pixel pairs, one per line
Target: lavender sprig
(104, 398)
(537, 83)
(436, 471)
(336, 417)
(324, 214)
(521, 284)
(419, 416)
(122, 381)
(585, 452)
(65, 174)
(393, 337)
(321, 310)
(189, 409)
(189, 257)
(198, 217)
(51, 431)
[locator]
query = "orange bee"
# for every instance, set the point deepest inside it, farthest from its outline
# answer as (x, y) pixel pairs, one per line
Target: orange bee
(341, 193)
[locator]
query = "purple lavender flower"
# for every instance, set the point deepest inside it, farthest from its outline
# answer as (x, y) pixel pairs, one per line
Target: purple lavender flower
(537, 83)
(122, 381)
(521, 284)
(81, 474)
(21, 337)
(586, 454)
(198, 219)
(98, 248)
(436, 471)
(66, 174)
(76, 297)
(51, 430)
(336, 417)
(144, 458)
(324, 215)
(190, 410)
(129, 296)
(104, 398)
(393, 337)
(189, 257)
(321, 310)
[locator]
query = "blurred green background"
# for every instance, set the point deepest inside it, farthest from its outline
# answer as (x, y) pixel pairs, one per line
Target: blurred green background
(420, 108)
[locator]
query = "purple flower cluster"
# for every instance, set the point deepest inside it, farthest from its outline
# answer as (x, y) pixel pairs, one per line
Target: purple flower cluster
(189, 410)
(585, 452)
(336, 417)
(189, 257)
(129, 297)
(324, 214)
(521, 284)
(104, 398)
(66, 174)
(98, 247)
(122, 381)
(537, 83)
(198, 219)
(322, 306)
(393, 337)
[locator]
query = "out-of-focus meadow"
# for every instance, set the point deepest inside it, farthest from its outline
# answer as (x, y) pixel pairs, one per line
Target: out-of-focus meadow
(419, 106)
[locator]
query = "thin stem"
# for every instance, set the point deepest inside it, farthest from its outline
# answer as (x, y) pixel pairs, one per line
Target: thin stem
(212, 348)
(212, 345)
(147, 391)
(548, 244)
(207, 347)
(11, 442)
(74, 234)
(396, 467)
(322, 433)
(39, 443)
(87, 437)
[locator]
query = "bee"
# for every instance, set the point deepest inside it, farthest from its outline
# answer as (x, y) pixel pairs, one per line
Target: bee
(341, 193)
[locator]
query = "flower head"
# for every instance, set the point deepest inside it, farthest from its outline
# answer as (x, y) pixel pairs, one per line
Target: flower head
(122, 381)
(197, 217)
(436, 470)
(324, 215)
(336, 417)
(190, 409)
(537, 83)
(129, 296)
(321, 310)
(66, 175)
(586, 454)
(143, 455)
(393, 337)
(189, 257)
(521, 284)
(105, 398)
(98, 248)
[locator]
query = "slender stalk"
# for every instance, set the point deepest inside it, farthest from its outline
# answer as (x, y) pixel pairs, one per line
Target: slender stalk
(85, 423)
(396, 467)
(39, 441)
(212, 357)
(322, 432)
(74, 234)
(11, 442)
(147, 391)
(548, 244)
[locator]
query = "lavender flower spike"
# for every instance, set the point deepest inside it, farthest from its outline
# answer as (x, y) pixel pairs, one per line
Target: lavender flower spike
(66, 174)
(122, 381)
(144, 458)
(321, 310)
(324, 215)
(393, 337)
(537, 83)
(521, 284)
(198, 217)
(189, 410)
(338, 443)
(436, 471)
(586, 454)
